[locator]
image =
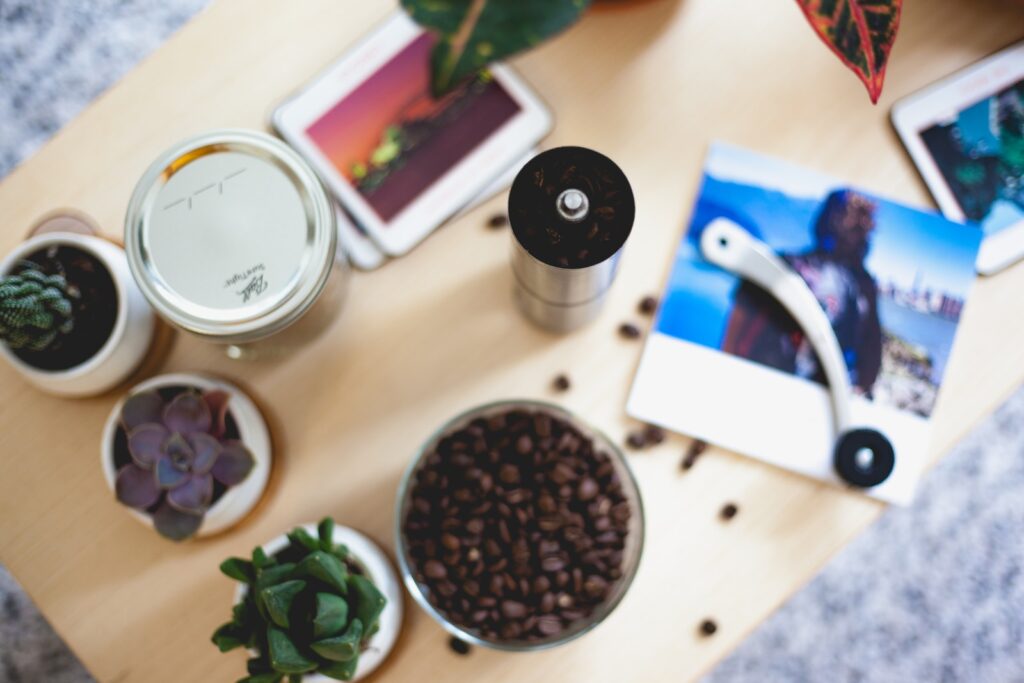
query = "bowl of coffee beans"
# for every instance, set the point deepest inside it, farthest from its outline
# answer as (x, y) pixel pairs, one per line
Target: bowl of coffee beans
(518, 526)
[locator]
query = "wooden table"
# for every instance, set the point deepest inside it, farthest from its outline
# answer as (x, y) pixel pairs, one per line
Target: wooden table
(649, 83)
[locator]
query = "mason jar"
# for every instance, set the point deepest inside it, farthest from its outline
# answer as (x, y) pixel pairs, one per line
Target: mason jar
(232, 237)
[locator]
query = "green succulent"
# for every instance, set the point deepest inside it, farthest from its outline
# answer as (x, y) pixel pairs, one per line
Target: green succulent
(34, 309)
(306, 610)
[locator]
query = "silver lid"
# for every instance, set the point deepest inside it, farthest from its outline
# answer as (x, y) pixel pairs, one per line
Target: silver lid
(230, 235)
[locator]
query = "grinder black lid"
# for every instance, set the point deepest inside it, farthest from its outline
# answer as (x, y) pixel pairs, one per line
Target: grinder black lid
(571, 207)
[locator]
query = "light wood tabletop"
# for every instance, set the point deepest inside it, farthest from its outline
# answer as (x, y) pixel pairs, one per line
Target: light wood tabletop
(648, 83)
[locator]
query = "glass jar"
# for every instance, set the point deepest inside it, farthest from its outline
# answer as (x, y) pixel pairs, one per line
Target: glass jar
(631, 552)
(231, 236)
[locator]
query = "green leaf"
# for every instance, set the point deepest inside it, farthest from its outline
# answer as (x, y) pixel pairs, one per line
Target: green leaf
(339, 671)
(860, 32)
(369, 601)
(326, 532)
(331, 615)
(341, 648)
(302, 537)
(474, 33)
(260, 559)
(274, 574)
(284, 655)
(326, 568)
(238, 569)
(230, 636)
(279, 599)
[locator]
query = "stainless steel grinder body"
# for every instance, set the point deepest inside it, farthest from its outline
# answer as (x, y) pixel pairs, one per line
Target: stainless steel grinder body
(571, 211)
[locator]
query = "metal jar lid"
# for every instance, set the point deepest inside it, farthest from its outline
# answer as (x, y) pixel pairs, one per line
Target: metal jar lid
(230, 235)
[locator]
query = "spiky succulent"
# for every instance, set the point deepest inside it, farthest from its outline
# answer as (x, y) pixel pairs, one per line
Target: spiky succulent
(34, 308)
(178, 451)
(306, 610)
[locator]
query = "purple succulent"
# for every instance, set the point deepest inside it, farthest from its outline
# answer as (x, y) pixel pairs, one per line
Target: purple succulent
(177, 451)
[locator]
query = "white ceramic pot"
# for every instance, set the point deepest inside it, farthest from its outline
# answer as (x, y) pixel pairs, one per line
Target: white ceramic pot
(237, 501)
(129, 341)
(379, 570)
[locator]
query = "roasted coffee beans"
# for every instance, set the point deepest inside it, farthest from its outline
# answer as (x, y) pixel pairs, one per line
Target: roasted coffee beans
(516, 526)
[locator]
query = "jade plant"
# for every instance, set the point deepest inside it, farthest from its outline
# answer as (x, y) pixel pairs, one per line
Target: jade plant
(308, 609)
(35, 309)
(179, 452)
(473, 33)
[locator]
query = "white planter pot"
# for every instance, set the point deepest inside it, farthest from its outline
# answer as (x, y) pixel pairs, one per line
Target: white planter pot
(237, 501)
(129, 341)
(380, 572)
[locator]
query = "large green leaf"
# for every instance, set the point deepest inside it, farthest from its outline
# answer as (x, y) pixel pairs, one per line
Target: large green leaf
(341, 648)
(326, 568)
(860, 32)
(285, 656)
(474, 33)
(279, 600)
(369, 602)
(331, 615)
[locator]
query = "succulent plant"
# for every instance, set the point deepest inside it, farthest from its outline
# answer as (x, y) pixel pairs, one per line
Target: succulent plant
(34, 309)
(178, 451)
(307, 609)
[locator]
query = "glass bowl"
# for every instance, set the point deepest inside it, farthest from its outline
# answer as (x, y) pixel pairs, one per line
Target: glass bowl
(631, 552)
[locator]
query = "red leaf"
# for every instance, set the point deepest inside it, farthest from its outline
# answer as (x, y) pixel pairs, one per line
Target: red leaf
(859, 32)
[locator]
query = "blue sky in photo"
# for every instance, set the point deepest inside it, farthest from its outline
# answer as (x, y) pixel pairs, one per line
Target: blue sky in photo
(778, 202)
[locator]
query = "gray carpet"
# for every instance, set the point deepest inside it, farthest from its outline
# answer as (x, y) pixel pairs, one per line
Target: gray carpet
(931, 593)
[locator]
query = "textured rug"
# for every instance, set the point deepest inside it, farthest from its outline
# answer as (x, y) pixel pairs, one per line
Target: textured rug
(930, 593)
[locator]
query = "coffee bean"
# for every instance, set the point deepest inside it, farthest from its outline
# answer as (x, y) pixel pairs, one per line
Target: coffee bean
(636, 440)
(498, 220)
(692, 453)
(629, 331)
(653, 434)
(561, 383)
(520, 526)
(435, 570)
(512, 609)
(708, 627)
(459, 647)
(647, 305)
(728, 511)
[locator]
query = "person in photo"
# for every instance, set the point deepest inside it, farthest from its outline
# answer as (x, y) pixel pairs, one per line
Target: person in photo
(759, 329)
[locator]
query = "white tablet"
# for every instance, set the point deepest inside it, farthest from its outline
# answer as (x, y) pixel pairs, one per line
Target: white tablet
(966, 136)
(399, 160)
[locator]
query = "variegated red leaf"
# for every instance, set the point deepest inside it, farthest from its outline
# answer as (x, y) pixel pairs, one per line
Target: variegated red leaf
(859, 32)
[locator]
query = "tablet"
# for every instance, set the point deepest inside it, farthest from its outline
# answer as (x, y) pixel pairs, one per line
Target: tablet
(966, 136)
(400, 161)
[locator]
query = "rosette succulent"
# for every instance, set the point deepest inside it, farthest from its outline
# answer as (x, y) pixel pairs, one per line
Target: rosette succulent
(178, 455)
(307, 609)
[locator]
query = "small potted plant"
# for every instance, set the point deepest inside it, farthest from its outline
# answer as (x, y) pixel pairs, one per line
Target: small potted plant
(72, 320)
(187, 454)
(318, 604)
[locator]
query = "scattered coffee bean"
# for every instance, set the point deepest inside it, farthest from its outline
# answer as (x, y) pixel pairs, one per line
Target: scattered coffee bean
(535, 549)
(708, 627)
(629, 331)
(498, 220)
(653, 435)
(636, 440)
(459, 647)
(647, 305)
(561, 383)
(728, 511)
(693, 452)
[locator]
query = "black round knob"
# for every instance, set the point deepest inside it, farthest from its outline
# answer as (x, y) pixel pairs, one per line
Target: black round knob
(864, 457)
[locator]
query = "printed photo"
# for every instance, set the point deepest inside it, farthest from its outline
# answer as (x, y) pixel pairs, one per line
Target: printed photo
(392, 140)
(980, 154)
(892, 280)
